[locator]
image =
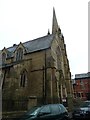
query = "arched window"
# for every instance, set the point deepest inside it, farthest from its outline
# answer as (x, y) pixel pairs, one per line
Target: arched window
(3, 57)
(19, 54)
(23, 78)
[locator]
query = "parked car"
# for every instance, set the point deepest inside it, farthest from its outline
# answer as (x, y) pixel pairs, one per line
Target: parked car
(82, 112)
(46, 112)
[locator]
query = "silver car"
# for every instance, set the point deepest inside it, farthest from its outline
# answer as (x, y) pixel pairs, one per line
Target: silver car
(82, 112)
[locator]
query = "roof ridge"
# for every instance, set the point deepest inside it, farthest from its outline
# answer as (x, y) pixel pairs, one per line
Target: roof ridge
(29, 41)
(37, 38)
(12, 46)
(37, 44)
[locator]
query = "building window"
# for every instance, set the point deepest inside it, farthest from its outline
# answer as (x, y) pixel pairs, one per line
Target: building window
(19, 54)
(82, 95)
(78, 95)
(23, 79)
(75, 95)
(3, 57)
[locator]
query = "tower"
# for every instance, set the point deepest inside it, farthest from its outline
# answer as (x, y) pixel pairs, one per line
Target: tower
(64, 70)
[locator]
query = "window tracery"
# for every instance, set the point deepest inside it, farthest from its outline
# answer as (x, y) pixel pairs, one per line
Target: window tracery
(3, 57)
(19, 54)
(23, 78)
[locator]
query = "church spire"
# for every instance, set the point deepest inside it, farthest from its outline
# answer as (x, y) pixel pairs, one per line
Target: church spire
(54, 23)
(48, 32)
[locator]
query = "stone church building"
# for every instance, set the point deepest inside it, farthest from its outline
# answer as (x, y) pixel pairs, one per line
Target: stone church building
(36, 72)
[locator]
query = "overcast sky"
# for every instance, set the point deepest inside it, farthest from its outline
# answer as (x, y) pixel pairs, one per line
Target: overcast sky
(23, 20)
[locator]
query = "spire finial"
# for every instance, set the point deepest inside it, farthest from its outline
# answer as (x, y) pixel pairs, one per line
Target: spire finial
(54, 23)
(48, 32)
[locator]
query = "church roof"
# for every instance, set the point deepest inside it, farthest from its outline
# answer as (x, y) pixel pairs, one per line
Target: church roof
(39, 43)
(34, 45)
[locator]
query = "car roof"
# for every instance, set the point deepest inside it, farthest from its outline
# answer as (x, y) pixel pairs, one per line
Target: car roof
(48, 104)
(87, 101)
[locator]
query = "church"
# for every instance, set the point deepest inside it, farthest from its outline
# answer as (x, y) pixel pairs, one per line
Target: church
(36, 72)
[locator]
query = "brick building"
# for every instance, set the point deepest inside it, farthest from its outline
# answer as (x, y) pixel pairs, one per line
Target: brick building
(81, 86)
(36, 72)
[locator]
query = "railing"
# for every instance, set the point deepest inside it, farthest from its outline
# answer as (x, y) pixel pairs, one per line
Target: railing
(14, 105)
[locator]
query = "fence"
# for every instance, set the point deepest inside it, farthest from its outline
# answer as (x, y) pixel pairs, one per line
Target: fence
(14, 105)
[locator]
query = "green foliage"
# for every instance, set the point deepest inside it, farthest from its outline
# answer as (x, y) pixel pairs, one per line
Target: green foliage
(77, 102)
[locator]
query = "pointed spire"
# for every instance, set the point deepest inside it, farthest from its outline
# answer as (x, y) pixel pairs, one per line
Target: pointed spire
(54, 23)
(48, 32)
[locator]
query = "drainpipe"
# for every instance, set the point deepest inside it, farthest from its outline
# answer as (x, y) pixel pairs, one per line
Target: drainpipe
(43, 85)
(45, 79)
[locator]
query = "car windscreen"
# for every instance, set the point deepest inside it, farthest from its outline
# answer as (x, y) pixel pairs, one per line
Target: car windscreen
(33, 111)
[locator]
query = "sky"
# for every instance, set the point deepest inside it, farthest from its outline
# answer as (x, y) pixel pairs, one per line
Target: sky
(23, 20)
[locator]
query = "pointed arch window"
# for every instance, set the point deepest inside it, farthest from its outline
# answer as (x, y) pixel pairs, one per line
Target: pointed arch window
(19, 54)
(23, 78)
(3, 57)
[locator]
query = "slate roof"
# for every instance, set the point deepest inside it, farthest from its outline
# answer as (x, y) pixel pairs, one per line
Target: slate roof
(34, 45)
(39, 43)
(82, 76)
(12, 49)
